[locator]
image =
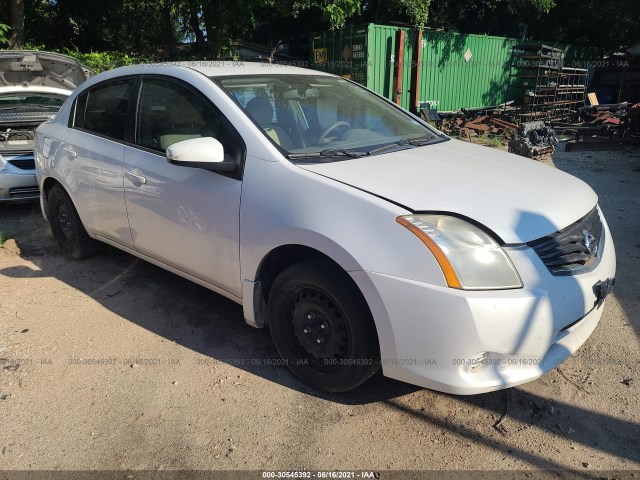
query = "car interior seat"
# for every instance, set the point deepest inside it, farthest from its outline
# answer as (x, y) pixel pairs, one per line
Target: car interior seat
(261, 110)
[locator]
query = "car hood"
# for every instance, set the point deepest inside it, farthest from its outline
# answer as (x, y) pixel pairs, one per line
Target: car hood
(41, 69)
(517, 198)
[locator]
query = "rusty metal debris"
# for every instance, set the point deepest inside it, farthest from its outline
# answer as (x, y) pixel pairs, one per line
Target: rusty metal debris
(472, 122)
(604, 127)
(596, 127)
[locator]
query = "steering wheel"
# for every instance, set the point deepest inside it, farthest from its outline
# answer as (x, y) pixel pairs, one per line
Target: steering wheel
(325, 133)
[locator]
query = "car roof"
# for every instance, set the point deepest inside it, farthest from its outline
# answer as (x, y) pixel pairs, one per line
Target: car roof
(216, 68)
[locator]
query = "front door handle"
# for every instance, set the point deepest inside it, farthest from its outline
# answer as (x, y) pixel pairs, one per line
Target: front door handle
(135, 178)
(70, 152)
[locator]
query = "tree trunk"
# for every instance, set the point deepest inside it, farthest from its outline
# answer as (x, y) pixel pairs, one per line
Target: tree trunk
(65, 28)
(194, 23)
(169, 38)
(213, 37)
(16, 40)
(377, 17)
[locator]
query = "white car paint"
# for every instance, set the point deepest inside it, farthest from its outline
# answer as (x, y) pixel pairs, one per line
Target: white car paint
(31, 89)
(498, 181)
(29, 73)
(346, 210)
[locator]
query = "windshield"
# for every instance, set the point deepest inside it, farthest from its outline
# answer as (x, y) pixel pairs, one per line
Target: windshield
(313, 116)
(27, 101)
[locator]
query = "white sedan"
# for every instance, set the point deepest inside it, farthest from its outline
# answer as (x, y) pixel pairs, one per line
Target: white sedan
(359, 235)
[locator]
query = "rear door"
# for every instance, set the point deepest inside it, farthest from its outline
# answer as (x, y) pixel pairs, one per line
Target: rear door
(93, 156)
(183, 216)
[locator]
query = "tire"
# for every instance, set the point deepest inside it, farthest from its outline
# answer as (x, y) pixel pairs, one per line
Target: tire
(67, 227)
(322, 326)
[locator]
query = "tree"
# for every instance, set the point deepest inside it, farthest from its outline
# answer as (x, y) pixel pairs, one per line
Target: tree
(156, 27)
(610, 24)
(16, 39)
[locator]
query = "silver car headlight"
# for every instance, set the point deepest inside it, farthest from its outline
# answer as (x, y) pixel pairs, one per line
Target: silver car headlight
(469, 258)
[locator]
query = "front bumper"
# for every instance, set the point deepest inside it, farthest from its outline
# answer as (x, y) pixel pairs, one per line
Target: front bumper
(18, 187)
(469, 342)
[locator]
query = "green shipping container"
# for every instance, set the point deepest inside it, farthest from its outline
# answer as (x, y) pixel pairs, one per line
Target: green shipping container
(364, 54)
(456, 70)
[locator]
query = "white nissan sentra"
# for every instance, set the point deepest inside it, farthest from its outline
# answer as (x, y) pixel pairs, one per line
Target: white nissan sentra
(359, 235)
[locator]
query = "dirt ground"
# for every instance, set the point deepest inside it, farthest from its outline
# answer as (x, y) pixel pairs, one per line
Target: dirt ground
(179, 381)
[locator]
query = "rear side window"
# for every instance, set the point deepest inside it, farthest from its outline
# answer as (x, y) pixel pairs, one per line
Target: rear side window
(170, 113)
(104, 109)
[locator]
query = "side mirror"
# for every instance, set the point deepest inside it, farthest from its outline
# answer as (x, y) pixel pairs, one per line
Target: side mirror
(200, 152)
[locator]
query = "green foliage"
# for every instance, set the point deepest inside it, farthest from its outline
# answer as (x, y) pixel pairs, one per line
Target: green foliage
(101, 61)
(543, 5)
(134, 31)
(98, 61)
(4, 39)
(611, 24)
(494, 141)
(418, 11)
(335, 12)
(522, 7)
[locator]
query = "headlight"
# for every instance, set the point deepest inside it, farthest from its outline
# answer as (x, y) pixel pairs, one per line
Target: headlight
(469, 258)
(3, 163)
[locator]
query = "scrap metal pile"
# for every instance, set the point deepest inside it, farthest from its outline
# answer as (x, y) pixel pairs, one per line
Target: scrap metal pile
(532, 139)
(595, 127)
(604, 127)
(473, 122)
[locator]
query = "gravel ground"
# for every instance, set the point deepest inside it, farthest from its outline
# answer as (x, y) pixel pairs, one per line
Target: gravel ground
(181, 382)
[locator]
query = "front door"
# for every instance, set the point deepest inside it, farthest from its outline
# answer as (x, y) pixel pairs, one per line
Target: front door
(183, 216)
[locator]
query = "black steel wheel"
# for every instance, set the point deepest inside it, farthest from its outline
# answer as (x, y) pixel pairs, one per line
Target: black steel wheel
(67, 227)
(322, 327)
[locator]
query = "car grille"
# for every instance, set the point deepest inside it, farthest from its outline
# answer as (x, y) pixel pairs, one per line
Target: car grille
(24, 164)
(574, 249)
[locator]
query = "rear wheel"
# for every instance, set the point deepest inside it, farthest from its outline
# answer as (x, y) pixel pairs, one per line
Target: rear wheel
(66, 226)
(322, 327)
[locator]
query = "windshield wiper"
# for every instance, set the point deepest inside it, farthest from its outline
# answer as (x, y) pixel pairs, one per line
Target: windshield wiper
(415, 142)
(342, 153)
(40, 105)
(27, 107)
(389, 146)
(329, 153)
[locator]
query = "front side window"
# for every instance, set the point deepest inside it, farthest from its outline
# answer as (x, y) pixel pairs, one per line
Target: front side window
(104, 108)
(313, 115)
(169, 112)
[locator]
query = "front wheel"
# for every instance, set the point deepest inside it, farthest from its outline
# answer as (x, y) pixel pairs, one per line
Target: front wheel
(66, 226)
(322, 327)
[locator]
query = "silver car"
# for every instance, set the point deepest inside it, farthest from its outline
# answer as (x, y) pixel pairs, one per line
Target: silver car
(33, 86)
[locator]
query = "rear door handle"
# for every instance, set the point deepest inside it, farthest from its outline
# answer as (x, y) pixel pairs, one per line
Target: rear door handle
(135, 178)
(70, 152)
